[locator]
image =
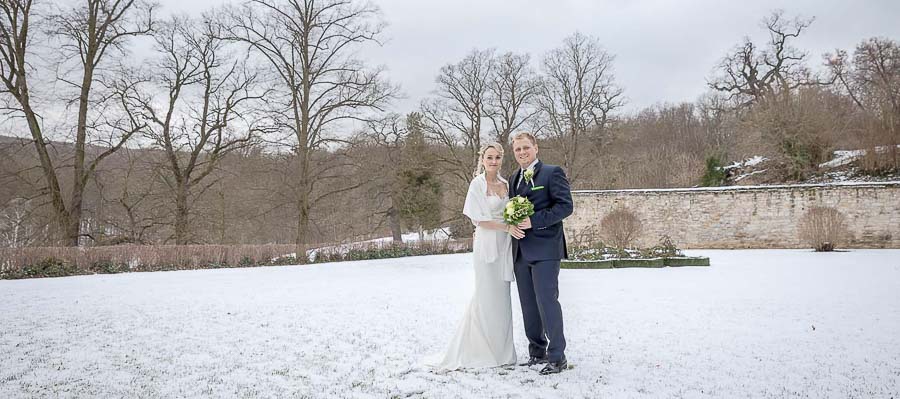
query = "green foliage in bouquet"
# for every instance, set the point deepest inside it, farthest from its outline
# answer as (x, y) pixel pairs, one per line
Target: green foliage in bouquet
(517, 209)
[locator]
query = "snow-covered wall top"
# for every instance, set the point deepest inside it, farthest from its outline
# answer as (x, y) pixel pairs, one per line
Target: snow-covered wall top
(745, 216)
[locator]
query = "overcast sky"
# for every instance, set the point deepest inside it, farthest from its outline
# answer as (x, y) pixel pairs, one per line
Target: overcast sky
(664, 49)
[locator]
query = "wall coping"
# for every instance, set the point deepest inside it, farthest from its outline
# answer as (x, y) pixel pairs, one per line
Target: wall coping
(894, 183)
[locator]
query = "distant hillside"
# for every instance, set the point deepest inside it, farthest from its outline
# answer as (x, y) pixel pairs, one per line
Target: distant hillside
(844, 166)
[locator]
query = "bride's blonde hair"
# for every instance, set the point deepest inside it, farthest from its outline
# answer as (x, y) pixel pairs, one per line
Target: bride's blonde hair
(495, 145)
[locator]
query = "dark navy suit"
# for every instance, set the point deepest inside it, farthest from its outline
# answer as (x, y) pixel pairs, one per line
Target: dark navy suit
(537, 257)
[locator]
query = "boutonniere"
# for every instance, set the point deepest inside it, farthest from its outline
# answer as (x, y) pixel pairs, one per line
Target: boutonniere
(528, 175)
(535, 188)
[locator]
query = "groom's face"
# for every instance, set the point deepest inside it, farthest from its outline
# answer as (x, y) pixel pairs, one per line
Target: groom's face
(525, 151)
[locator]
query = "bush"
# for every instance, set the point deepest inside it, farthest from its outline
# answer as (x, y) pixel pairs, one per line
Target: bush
(385, 250)
(47, 267)
(823, 228)
(715, 175)
(107, 267)
(880, 160)
(665, 249)
(621, 228)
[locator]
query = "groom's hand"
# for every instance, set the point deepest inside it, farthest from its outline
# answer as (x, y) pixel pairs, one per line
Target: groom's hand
(526, 224)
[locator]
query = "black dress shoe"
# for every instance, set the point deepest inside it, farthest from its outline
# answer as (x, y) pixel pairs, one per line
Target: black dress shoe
(534, 360)
(555, 367)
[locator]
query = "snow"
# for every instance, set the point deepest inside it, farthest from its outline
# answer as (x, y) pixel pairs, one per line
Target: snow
(442, 233)
(757, 323)
(842, 157)
(752, 161)
(845, 157)
(429, 235)
(746, 175)
(746, 188)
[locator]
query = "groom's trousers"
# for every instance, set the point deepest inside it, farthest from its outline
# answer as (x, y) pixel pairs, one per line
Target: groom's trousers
(538, 285)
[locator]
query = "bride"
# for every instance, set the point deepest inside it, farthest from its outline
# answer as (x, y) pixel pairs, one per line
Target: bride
(484, 337)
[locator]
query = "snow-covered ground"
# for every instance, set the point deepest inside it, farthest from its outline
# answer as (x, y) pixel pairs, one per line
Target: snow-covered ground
(757, 323)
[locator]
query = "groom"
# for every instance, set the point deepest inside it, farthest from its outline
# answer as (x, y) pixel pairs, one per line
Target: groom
(538, 252)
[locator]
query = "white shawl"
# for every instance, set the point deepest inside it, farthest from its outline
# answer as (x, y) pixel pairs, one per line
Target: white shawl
(488, 244)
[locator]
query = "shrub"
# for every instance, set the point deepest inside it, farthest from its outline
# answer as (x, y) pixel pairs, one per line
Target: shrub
(107, 267)
(384, 250)
(880, 160)
(665, 249)
(46, 267)
(621, 228)
(823, 228)
(715, 175)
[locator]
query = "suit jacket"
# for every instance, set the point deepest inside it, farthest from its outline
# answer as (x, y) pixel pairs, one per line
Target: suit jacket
(552, 201)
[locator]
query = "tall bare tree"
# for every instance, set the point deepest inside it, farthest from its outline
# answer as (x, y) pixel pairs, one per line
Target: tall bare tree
(872, 80)
(455, 117)
(384, 139)
(204, 112)
(578, 96)
(752, 74)
(90, 33)
(513, 87)
(309, 46)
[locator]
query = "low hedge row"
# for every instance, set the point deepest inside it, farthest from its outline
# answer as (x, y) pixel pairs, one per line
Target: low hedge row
(625, 263)
(59, 262)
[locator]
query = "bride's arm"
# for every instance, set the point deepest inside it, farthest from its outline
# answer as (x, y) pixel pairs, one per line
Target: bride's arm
(493, 225)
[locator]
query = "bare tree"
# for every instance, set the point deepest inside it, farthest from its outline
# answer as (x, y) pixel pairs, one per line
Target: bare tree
(872, 80)
(513, 87)
(205, 113)
(384, 142)
(16, 228)
(578, 96)
(753, 75)
(133, 195)
(89, 33)
(309, 46)
(455, 117)
(777, 94)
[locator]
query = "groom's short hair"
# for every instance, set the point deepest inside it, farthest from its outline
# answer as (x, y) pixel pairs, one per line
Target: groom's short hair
(524, 135)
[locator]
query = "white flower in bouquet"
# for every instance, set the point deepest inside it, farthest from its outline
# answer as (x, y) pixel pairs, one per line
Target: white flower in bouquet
(517, 209)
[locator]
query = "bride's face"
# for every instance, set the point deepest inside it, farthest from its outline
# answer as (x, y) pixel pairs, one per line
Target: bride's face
(491, 160)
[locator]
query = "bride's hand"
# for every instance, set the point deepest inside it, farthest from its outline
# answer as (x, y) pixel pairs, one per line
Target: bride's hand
(516, 232)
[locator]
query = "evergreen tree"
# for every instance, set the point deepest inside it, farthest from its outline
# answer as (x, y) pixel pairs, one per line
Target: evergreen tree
(420, 189)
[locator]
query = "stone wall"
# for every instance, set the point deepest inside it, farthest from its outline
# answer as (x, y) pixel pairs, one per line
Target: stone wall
(745, 217)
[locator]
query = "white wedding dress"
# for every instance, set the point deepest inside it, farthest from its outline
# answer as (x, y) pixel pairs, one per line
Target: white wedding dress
(484, 337)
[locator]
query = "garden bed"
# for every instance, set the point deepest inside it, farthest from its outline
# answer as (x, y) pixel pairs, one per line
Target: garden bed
(631, 262)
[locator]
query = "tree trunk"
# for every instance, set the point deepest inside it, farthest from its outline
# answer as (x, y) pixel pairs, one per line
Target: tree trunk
(394, 220)
(303, 206)
(73, 225)
(181, 216)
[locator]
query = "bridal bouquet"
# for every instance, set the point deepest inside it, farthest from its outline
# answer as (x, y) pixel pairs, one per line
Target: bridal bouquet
(517, 209)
